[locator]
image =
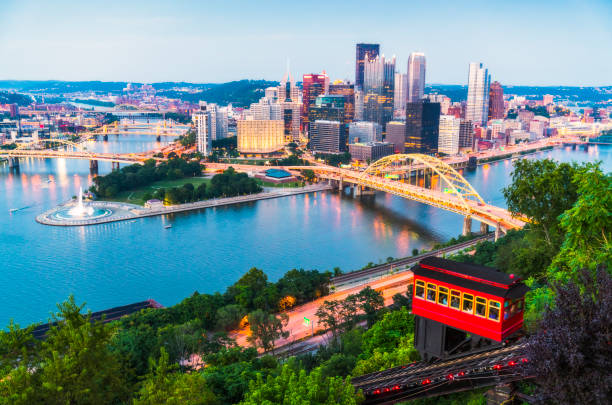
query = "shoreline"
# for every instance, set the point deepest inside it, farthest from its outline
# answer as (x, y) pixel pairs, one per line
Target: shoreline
(130, 211)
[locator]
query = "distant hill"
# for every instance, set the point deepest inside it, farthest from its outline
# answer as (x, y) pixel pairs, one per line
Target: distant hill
(15, 98)
(239, 93)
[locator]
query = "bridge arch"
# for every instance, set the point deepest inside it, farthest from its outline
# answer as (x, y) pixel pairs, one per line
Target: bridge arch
(28, 145)
(457, 184)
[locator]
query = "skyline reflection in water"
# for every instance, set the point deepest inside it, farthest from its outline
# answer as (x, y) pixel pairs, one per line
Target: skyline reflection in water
(124, 262)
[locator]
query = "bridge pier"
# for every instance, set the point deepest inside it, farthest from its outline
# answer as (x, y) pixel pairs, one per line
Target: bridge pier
(105, 137)
(484, 228)
(13, 163)
(341, 185)
(497, 232)
(158, 138)
(115, 165)
(93, 167)
(467, 226)
(357, 189)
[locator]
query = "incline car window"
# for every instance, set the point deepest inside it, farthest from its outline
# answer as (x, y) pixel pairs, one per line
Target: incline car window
(419, 291)
(468, 301)
(494, 308)
(431, 292)
(455, 301)
(443, 296)
(481, 307)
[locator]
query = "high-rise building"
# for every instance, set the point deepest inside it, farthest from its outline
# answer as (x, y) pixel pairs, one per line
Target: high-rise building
(265, 109)
(358, 104)
(290, 106)
(328, 108)
(396, 135)
(348, 91)
(496, 101)
(364, 131)
(13, 110)
(363, 53)
(400, 94)
(260, 136)
(378, 86)
(203, 140)
(313, 85)
(327, 136)
(271, 93)
(422, 127)
(287, 90)
(478, 94)
(448, 137)
(217, 121)
(416, 77)
(466, 134)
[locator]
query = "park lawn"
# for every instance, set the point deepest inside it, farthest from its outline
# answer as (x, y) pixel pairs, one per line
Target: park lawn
(135, 196)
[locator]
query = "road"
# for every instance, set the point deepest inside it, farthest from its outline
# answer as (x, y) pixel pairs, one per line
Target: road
(389, 286)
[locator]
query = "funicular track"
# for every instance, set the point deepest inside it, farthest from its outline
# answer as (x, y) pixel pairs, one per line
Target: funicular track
(424, 379)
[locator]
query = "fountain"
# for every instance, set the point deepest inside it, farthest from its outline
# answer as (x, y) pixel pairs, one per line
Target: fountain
(79, 210)
(80, 213)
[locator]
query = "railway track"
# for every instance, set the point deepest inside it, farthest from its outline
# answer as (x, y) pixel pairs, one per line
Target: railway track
(424, 379)
(364, 274)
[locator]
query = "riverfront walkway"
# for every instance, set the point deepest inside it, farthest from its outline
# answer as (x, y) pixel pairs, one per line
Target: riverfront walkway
(124, 212)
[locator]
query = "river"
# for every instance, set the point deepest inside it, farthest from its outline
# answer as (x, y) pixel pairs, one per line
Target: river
(120, 263)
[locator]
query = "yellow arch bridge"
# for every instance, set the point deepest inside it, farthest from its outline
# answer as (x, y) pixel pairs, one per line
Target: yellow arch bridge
(425, 179)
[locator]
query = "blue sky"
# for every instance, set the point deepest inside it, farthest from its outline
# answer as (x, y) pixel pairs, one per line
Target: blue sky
(535, 42)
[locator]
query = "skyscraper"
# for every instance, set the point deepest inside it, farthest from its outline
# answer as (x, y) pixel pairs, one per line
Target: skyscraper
(364, 52)
(416, 76)
(327, 108)
(313, 85)
(422, 127)
(478, 94)
(290, 107)
(496, 101)
(348, 91)
(400, 94)
(203, 140)
(378, 86)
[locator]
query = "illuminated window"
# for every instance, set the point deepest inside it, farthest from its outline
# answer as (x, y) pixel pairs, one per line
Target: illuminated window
(443, 296)
(431, 292)
(419, 290)
(507, 309)
(481, 307)
(468, 302)
(455, 301)
(494, 310)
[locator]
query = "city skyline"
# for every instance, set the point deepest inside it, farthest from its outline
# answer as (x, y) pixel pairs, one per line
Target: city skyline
(143, 44)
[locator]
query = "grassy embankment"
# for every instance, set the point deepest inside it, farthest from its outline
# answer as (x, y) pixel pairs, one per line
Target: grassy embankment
(135, 196)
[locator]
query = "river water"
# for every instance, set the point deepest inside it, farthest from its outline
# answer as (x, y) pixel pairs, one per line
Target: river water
(120, 263)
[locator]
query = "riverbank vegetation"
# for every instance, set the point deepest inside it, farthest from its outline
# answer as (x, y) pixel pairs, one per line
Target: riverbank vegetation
(137, 175)
(227, 184)
(565, 254)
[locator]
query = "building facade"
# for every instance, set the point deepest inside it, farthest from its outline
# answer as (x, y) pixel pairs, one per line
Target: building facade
(364, 132)
(327, 108)
(363, 53)
(416, 77)
(422, 127)
(477, 108)
(466, 134)
(313, 85)
(260, 136)
(327, 136)
(370, 151)
(448, 138)
(400, 95)
(396, 135)
(496, 101)
(200, 121)
(347, 90)
(379, 84)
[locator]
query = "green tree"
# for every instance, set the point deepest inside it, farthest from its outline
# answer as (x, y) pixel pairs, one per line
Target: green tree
(298, 387)
(309, 175)
(386, 334)
(244, 291)
(266, 328)
(75, 365)
(370, 302)
(165, 386)
(542, 190)
(587, 225)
